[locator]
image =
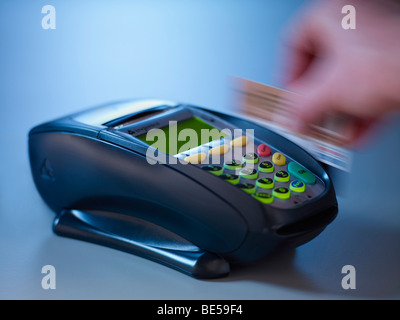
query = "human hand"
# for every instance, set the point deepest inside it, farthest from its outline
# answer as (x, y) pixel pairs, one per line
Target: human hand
(355, 73)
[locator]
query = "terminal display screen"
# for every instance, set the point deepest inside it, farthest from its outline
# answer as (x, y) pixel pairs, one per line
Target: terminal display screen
(180, 136)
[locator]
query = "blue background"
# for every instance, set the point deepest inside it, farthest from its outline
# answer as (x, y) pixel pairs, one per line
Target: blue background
(186, 51)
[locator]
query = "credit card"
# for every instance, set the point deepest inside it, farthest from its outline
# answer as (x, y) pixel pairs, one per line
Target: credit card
(272, 107)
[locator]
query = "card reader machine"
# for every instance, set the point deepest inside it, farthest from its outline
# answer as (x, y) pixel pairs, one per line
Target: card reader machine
(191, 188)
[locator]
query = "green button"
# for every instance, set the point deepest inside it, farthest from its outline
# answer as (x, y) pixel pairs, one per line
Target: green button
(282, 176)
(265, 183)
(299, 172)
(297, 186)
(247, 187)
(233, 165)
(248, 173)
(250, 158)
(266, 166)
(217, 170)
(263, 197)
(231, 178)
(281, 193)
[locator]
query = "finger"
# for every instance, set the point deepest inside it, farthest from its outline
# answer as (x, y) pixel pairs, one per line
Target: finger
(299, 59)
(316, 93)
(301, 39)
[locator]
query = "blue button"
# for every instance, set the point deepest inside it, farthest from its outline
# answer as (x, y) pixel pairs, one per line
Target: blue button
(297, 186)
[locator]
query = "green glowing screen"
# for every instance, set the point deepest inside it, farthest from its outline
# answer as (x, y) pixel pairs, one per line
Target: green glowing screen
(182, 135)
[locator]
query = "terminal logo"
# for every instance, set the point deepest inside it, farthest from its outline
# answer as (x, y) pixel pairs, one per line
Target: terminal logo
(46, 171)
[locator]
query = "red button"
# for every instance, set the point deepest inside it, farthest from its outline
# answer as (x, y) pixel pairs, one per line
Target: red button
(263, 150)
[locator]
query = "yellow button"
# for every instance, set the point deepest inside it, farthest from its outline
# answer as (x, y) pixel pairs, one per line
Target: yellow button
(196, 158)
(222, 149)
(279, 159)
(239, 142)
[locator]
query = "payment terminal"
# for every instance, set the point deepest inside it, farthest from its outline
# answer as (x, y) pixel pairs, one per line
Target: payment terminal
(188, 187)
